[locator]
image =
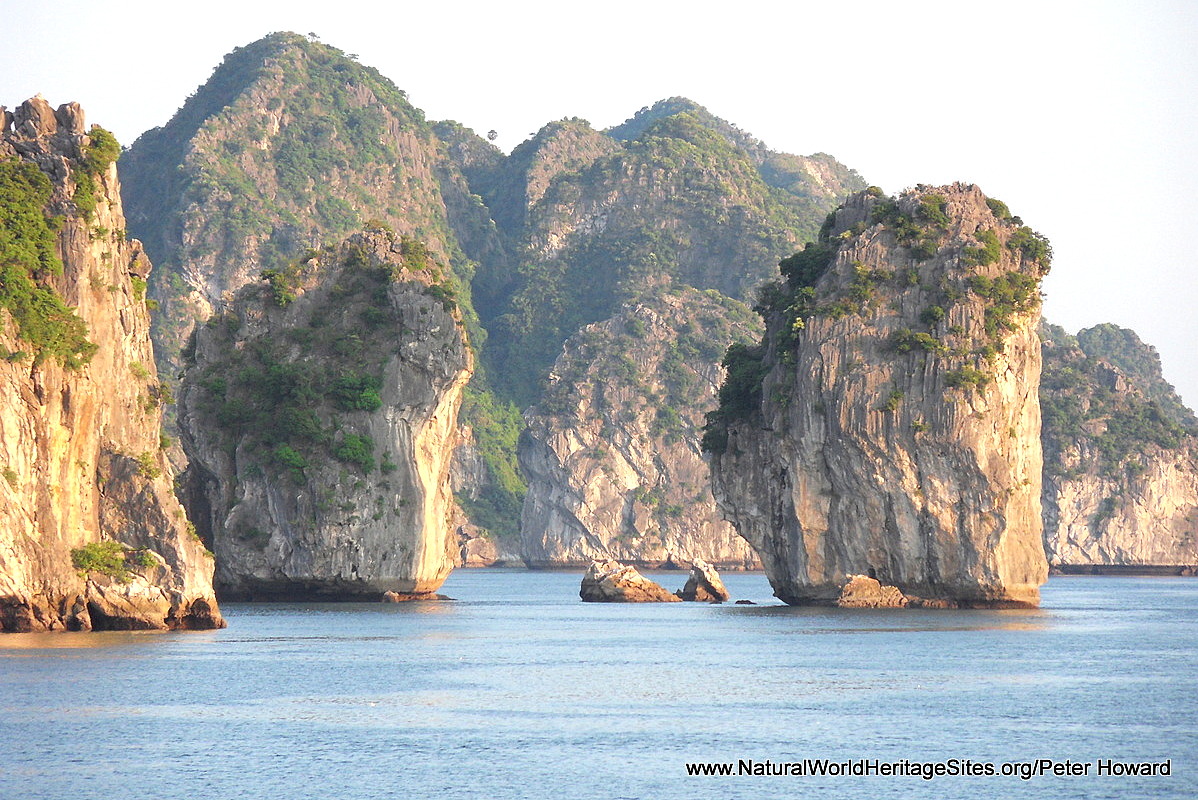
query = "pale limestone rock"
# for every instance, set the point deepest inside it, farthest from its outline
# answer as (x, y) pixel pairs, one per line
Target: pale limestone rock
(862, 591)
(71, 119)
(1145, 518)
(857, 456)
(1130, 505)
(35, 118)
(704, 585)
(81, 448)
(611, 582)
(336, 531)
(480, 548)
(612, 455)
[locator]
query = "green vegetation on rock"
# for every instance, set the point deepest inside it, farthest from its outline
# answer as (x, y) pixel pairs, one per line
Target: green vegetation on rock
(693, 208)
(294, 394)
(28, 264)
(497, 425)
(102, 149)
(1088, 399)
(110, 558)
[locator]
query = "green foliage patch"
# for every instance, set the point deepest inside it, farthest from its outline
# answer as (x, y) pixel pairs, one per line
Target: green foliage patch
(98, 154)
(497, 425)
(110, 558)
(740, 394)
(1081, 405)
(28, 261)
(292, 396)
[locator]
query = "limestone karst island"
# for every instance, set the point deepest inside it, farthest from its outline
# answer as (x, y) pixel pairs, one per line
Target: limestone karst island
(303, 343)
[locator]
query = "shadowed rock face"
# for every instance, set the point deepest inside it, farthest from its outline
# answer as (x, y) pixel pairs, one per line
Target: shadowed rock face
(320, 415)
(889, 422)
(704, 585)
(79, 423)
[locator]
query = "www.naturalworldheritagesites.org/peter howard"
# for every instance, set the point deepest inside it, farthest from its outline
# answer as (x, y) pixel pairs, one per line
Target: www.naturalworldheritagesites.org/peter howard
(929, 770)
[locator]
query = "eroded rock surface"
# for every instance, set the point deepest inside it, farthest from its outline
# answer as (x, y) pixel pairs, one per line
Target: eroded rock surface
(1121, 455)
(612, 452)
(91, 534)
(320, 416)
(704, 585)
(612, 582)
(889, 421)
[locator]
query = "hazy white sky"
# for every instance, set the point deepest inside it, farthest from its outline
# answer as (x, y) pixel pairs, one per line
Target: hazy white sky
(1081, 116)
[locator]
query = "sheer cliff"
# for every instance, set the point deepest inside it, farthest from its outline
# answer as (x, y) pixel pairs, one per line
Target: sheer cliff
(888, 423)
(612, 451)
(320, 415)
(1120, 454)
(91, 535)
(290, 145)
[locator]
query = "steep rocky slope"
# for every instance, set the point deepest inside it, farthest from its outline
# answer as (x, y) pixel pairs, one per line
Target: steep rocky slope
(91, 535)
(291, 145)
(888, 424)
(612, 452)
(1120, 454)
(320, 416)
(597, 219)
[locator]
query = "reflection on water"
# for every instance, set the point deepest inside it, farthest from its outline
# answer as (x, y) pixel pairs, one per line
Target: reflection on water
(517, 689)
(79, 641)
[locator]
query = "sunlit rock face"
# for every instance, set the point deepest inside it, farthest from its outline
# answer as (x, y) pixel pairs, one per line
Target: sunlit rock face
(91, 535)
(888, 425)
(320, 414)
(1120, 455)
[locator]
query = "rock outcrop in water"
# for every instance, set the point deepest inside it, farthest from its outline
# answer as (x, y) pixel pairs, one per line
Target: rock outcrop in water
(889, 424)
(320, 415)
(1120, 455)
(612, 582)
(704, 585)
(91, 535)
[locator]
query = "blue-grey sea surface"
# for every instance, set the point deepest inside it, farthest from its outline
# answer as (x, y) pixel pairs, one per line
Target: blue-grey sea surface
(516, 689)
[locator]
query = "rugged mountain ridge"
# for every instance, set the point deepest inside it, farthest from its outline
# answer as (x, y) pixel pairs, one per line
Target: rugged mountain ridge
(227, 189)
(321, 414)
(680, 201)
(1120, 454)
(888, 424)
(91, 534)
(289, 146)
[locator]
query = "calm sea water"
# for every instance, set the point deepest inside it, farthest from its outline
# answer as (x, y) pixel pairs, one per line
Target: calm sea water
(518, 690)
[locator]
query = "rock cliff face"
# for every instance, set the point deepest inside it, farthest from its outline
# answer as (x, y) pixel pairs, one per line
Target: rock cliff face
(320, 416)
(888, 424)
(612, 451)
(91, 535)
(598, 219)
(291, 145)
(1120, 455)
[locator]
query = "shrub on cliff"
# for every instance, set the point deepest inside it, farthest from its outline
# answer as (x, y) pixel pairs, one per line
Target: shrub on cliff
(27, 261)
